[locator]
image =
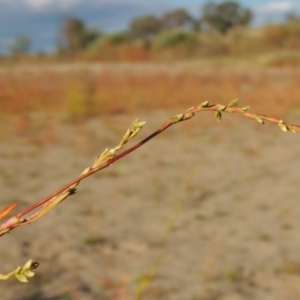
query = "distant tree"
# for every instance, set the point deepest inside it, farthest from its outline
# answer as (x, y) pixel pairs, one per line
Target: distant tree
(176, 18)
(20, 45)
(72, 32)
(116, 38)
(89, 36)
(197, 25)
(292, 17)
(145, 27)
(75, 36)
(225, 15)
(173, 37)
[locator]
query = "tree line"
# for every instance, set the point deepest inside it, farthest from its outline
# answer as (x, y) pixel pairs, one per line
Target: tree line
(75, 36)
(170, 28)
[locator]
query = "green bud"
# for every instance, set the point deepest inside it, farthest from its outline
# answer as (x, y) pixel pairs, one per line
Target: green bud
(244, 109)
(233, 102)
(218, 116)
(138, 124)
(204, 104)
(220, 107)
(282, 126)
(177, 118)
(258, 119)
(291, 129)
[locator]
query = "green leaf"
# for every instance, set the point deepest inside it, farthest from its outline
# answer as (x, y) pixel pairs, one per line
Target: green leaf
(27, 265)
(191, 108)
(220, 107)
(21, 278)
(258, 119)
(204, 104)
(291, 129)
(177, 118)
(233, 102)
(245, 108)
(138, 124)
(218, 116)
(282, 126)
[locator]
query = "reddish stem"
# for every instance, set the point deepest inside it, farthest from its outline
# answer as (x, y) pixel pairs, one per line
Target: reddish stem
(93, 170)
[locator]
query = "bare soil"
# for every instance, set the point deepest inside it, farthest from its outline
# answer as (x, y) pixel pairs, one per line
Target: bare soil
(204, 211)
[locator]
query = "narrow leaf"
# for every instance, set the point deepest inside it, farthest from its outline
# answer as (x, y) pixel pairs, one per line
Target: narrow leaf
(191, 108)
(282, 126)
(218, 116)
(177, 118)
(6, 210)
(245, 108)
(27, 265)
(48, 205)
(21, 278)
(204, 104)
(220, 107)
(258, 119)
(291, 129)
(233, 102)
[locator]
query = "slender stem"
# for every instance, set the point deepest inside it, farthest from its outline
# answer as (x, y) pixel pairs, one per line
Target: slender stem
(93, 170)
(57, 192)
(163, 127)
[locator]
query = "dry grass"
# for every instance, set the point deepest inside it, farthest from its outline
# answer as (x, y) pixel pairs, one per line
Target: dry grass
(81, 92)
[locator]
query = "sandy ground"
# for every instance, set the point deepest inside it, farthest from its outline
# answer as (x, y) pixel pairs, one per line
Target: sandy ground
(204, 211)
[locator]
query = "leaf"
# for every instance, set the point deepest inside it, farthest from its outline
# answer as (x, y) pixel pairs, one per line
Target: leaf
(245, 108)
(21, 278)
(258, 119)
(291, 129)
(49, 205)
(6, 210)
(138, 124)
(204, 104)
(177, 118)
(282, 126)
(233, 102)
(191, 108)
(22, 273)
(27, 265)
(220, 107)
(218, 116)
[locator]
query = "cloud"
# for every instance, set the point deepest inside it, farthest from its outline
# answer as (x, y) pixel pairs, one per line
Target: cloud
(277, 7)
(42, 5)
(274, 11)
(39, 5)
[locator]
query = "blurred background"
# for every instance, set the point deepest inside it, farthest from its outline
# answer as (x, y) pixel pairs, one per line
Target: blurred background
(202, 212)
(69, 57)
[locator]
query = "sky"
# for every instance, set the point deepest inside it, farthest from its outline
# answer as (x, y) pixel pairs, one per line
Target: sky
(42, 19)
